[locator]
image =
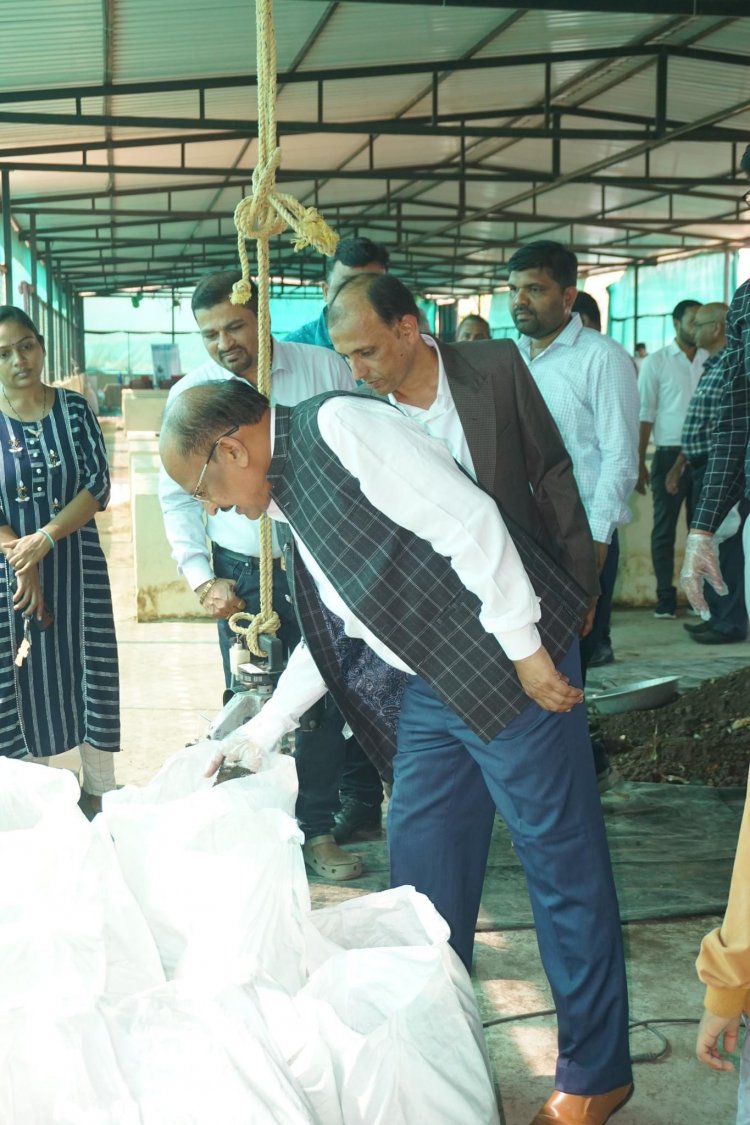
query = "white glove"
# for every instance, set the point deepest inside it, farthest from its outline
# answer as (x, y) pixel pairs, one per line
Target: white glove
(237, 749)
(701, 562)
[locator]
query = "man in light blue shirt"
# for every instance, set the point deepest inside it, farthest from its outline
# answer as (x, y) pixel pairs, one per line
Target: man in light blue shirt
(353, 255)
(588, 382)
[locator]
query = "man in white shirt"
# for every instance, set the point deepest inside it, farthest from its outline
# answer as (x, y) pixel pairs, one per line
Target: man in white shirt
(218, 556)
(418, 614)
(666, 383)
(589, 385)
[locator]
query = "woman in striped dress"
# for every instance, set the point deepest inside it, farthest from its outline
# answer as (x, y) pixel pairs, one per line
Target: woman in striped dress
(53, 480)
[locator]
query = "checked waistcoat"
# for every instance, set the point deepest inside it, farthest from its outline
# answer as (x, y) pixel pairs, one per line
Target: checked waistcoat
(406, 594)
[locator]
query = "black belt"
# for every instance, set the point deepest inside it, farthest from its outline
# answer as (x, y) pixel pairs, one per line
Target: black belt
(669, 449)
(251, 561)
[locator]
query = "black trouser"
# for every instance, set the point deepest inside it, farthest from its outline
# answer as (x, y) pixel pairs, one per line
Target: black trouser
(728, 613)
(599, 630)
(666, 514)
(322, 756)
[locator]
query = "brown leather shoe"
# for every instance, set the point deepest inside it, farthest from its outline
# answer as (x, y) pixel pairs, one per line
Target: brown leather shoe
(324, 857)
(583, 1109)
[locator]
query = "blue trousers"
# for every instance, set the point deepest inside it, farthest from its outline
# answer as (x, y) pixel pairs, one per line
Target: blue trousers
(320, 755)
(538, 774)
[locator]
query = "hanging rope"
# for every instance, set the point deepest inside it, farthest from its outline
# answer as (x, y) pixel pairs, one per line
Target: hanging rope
(260, 216)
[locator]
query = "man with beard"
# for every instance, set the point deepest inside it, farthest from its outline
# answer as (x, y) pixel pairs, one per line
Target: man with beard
(226, 575)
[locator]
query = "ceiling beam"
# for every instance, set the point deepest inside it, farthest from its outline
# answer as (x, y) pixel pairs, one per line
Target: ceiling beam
(692, 8)
(222, 129)
(79, 94)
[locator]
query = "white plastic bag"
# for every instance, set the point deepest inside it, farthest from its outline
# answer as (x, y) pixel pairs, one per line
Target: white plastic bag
(193, 1058)
(218, 871)
(70, 930)
(396, 1010)
(61, 1072)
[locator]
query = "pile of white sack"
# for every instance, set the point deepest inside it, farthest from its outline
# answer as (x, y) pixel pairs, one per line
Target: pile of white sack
(162, 966)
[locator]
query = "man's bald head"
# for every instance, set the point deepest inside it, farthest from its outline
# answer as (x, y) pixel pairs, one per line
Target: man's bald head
(374, 323)
(709, 326)
(388, 297)
(195, 418)
(214, 444)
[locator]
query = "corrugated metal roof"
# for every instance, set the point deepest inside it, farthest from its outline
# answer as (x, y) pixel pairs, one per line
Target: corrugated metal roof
(558, 111)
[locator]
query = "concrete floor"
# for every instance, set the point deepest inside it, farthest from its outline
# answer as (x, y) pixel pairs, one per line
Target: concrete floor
(171, 685)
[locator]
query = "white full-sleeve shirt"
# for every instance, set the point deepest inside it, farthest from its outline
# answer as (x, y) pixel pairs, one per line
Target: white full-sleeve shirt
(414, 481)
(298, 372)
(440, 418)
(666, 384)
(588, 382)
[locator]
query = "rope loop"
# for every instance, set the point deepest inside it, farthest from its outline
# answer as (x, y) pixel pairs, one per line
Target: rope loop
(260, 216)
(255, 625)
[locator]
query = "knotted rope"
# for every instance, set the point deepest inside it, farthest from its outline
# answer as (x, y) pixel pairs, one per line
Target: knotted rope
(260, 216)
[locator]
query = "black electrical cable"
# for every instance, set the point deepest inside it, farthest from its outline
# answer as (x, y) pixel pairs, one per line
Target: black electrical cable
(648, 1025)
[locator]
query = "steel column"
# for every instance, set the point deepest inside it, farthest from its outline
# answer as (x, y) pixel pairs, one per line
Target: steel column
(7, 238)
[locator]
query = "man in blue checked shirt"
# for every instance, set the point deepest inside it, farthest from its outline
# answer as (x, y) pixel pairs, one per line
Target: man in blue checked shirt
(728, 469)
(728, 621)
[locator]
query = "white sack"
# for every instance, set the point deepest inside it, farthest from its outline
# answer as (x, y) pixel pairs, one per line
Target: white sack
(218, 870)
(396, 1010)
(60, 1072)
(190, 1058)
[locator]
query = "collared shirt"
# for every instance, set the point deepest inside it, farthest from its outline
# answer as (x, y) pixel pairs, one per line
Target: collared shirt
(728, 469)
(314, 332)
(441, 419)
(298, 371)
(666, 384)
(697, 432)
(588, 382)
(419, 487)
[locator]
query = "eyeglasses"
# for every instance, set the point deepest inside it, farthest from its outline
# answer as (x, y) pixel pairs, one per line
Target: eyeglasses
(196, 491)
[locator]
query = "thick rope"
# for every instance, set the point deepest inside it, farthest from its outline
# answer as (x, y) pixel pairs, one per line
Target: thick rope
(260, 216)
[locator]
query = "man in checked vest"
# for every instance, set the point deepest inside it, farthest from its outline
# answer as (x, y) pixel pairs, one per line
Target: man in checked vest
(448, 638)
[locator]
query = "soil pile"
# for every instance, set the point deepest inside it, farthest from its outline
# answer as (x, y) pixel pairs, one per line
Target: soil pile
(701, 737)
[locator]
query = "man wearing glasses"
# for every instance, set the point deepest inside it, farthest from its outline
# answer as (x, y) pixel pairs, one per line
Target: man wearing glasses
(218, 552)
(460, 678)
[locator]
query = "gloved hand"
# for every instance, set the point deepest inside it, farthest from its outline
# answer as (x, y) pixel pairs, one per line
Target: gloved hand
(701, 562)
(238, 748)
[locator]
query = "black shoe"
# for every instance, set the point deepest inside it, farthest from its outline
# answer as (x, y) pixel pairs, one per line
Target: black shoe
(711, 637)
(665, 610)
(357, 821)
(699, 627)
(603, 654)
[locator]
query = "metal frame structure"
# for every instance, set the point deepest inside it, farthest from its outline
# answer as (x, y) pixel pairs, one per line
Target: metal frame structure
(503, 173)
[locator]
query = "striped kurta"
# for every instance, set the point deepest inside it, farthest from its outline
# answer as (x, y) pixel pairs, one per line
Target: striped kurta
(67, 690)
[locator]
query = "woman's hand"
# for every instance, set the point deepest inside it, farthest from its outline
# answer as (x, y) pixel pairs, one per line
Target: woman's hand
(27, 552)
(27, 598)
(713, 1033)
